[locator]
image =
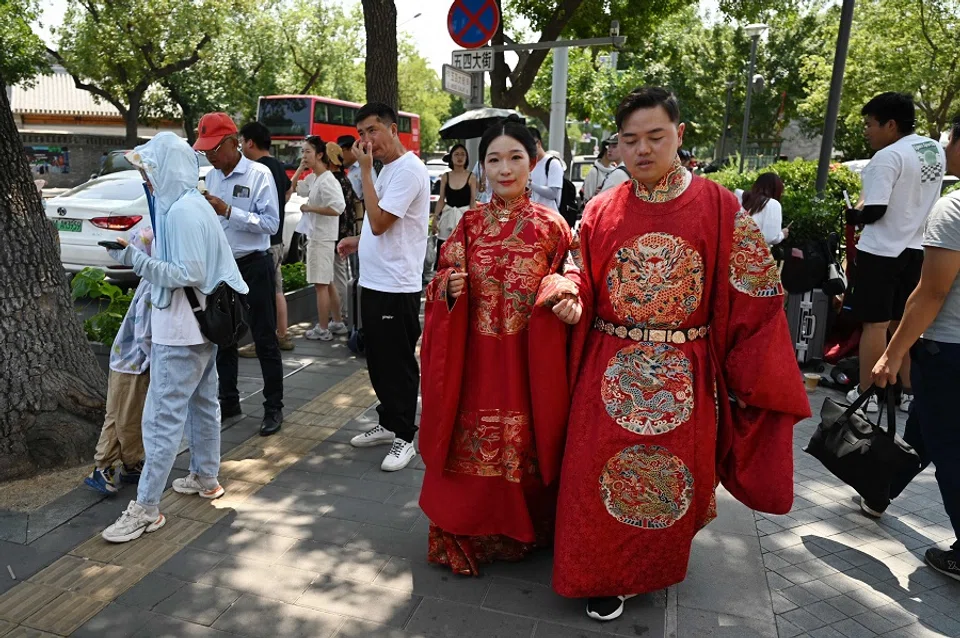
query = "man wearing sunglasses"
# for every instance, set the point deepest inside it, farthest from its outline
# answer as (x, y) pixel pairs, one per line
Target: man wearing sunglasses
(244, 196)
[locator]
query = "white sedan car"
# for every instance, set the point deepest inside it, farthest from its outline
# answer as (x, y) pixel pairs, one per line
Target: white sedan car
(115, 204)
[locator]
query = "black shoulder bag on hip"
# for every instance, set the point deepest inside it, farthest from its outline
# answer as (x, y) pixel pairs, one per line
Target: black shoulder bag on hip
(223, 321)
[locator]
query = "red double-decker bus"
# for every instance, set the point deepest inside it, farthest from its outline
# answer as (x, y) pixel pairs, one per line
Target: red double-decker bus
(292, 118)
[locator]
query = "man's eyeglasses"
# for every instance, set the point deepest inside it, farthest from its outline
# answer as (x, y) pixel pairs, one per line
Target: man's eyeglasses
(216, 148)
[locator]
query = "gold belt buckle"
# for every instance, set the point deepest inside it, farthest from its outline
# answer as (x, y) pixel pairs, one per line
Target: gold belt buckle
(659, 336)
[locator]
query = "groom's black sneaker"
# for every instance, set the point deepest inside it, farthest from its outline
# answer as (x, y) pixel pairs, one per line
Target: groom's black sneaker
(229, 410)
(945, 562)
(607, 608)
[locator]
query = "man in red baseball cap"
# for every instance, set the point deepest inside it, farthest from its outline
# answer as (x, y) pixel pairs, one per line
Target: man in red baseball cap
(245, 197)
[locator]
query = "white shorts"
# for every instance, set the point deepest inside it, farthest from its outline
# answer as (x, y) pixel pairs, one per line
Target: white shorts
(320, 256)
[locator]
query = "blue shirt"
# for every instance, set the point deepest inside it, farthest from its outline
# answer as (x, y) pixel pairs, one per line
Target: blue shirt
(249, 188)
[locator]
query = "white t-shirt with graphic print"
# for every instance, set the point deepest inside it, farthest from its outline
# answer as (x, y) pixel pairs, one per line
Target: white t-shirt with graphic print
(906, 177)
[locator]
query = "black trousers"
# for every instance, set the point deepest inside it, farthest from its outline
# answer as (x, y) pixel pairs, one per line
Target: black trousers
(932, 428)
(391, 329)
(258, 271)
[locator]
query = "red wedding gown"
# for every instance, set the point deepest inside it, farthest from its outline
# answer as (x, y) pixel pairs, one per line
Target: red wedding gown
(651, 429)
(494, 386)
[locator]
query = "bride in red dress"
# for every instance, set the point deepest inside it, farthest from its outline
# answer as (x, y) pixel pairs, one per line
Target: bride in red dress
(495, 397)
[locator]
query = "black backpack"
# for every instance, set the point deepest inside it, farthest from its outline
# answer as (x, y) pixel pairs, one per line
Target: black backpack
(569, 206)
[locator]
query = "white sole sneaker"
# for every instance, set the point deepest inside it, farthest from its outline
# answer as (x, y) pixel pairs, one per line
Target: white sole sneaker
(399, 456)
(373, 437)
(134, 535)
(215, 493)
(612, 615)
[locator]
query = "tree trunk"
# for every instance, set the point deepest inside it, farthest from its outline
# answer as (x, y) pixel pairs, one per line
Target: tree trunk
(53, 391)
(132, 118)
(380, 22)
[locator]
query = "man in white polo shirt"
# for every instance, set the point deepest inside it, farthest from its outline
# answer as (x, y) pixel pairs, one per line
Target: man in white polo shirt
(392, 246)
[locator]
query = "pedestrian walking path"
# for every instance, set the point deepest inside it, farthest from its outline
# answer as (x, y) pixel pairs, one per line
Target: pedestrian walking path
(313, 539)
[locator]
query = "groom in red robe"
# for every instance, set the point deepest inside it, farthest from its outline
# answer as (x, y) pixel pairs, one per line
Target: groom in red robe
(683, 374)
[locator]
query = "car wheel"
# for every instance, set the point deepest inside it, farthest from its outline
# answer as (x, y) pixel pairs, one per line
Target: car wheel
(298, 249)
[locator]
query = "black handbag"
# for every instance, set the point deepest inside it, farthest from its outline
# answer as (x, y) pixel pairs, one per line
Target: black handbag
(223, 321)
(860, 453)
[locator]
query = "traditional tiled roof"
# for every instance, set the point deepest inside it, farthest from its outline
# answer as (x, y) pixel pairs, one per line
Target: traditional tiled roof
(56, 94)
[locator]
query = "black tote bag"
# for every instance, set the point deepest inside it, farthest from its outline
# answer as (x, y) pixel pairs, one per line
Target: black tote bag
(860, 453)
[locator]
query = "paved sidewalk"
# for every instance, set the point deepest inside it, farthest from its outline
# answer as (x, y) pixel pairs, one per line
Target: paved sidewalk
(314, 540)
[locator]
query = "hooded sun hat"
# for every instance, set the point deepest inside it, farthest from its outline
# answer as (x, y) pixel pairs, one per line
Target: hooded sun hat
(334, 154)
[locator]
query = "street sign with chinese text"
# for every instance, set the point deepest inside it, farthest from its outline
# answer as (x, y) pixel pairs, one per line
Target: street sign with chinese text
(456, 82)
(472, 23)
(476, 61)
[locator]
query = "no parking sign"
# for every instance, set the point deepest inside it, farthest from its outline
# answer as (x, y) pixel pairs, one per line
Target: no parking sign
(472, 23)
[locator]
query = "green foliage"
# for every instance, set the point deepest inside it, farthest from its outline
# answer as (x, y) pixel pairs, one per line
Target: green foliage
(894, 46)
(113, 303)
(422, 93)
(810, 217)
(294, 276)
(22, 54)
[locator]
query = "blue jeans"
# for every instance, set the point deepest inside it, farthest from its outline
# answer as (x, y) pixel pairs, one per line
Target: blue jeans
(182, 398)
(933, 429)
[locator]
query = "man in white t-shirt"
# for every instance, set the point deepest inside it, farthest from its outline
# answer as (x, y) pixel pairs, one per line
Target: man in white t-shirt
(900, 186)
(546, 180)
(392, 245)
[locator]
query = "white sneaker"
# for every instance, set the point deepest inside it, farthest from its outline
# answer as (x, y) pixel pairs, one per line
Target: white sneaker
(399, 456)
(132, 524)
(871, 406)
(906, 400)
(376, 436)
(318, 334)
(338, 328)
(190, 484)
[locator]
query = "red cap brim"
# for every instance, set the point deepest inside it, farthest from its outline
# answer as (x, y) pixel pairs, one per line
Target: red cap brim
(207, 143)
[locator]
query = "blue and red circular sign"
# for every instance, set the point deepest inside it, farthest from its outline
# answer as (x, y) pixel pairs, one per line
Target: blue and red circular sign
(472, 23)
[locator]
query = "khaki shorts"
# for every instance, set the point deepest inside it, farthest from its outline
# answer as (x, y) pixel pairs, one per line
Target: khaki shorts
(276, 251)
(320, 256)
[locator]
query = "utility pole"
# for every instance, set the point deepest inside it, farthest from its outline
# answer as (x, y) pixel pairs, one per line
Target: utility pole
(721, 150)
(833, 101)
(558, 99)
(754, 31)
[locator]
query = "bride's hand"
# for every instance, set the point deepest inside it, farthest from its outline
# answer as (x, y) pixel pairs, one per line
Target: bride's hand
(568, 310)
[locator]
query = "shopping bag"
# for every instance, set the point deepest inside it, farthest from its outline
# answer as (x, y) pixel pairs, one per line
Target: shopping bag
(859, 452)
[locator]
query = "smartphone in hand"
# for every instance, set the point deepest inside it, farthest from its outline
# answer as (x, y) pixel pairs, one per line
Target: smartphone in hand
(111, 245)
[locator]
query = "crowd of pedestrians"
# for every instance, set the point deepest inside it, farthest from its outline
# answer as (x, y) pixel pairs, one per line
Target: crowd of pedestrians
(585, 388)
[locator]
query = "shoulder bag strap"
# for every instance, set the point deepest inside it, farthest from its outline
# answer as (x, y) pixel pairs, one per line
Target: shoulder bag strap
(194, 303)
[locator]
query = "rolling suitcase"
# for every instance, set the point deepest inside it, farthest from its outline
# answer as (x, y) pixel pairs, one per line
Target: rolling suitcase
(807, 316)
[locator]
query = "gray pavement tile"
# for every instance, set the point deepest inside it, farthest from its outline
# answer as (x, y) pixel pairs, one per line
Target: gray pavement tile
(201, 604)
(948, 606)
(408, 477)
(821, 590)
(344, 451)
(843, 582)
(432, 581)
(223, 539)
(167, 627)
(443, 618)
(115, 621)
(334, 560)
(241, 430)
(331, 484)
(820, 568)
(709, 624)
(786, 629)
(768, 527)
(804, 619)
(826, 632)
(408, 497)
(780, 540)
(776, 582)
(925, 614)
(61, 510)
(323, 464)
(262, 579)
(352, 509)
(550, 630)
(149, 592)
(781, 604)
(774, 562)
(384, 540)
(24, 560)
(353, 628)
(795, 574)
(258, 617)
(869, 597)
(13, 526)
(373, 603)
(876, 623)
(190, 564)
(537, 601)
(280, 498)
(535, 568)
(799, 596)
(825, 612)
(301, 525)
(847, 606)
(317, 382)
